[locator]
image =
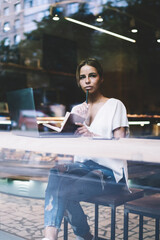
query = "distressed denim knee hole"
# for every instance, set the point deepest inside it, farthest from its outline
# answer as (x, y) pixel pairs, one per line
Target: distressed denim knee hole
(49, 206)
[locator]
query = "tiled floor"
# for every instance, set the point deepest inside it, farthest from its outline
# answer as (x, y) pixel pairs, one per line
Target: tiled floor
(23, 217)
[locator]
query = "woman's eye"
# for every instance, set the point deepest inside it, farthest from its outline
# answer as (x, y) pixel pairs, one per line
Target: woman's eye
(82, 77)
(93, 75)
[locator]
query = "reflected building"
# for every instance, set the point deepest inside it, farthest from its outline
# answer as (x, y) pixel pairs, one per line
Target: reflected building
(18, 17)
(12, 20)
(35, 10)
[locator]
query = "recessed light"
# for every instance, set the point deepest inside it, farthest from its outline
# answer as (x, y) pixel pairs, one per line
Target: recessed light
(55, 18)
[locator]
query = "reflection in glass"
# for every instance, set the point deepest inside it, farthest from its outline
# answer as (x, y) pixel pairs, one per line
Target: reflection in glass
(71, 183)
(6, 11)
(6, 41)
(6, 26)
(17, 7)
(17, 39)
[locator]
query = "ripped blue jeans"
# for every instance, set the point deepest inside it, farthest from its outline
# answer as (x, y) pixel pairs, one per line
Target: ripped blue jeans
(80, 182)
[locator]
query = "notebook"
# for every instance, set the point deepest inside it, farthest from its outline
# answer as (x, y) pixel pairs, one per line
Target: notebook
(23, 115)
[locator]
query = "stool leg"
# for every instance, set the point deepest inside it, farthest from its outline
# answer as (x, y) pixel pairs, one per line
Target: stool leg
(113, 219)
(157, 229)
(126, 219)
(65, 230)
(140, 227)
(96, 222)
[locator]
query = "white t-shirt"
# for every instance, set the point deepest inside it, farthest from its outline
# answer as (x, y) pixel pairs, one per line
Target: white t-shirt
(109, 117)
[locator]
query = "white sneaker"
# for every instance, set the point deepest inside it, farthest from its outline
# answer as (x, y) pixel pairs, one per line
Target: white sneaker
(45, 239)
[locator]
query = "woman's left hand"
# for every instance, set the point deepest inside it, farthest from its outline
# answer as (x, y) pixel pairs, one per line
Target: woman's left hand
(83, 131)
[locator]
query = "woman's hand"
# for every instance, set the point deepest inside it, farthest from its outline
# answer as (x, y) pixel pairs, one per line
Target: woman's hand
(83, 131)
(81, 110)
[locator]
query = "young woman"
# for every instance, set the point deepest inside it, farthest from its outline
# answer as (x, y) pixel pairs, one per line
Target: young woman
(86, 178)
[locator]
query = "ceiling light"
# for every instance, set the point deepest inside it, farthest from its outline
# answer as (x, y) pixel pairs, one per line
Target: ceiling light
(99, 19)
(100, 30)
(133, 25)
(134, 30)
(158, 40)
(55, 18)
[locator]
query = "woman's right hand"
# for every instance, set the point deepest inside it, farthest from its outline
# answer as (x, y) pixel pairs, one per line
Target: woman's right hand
(81, 110)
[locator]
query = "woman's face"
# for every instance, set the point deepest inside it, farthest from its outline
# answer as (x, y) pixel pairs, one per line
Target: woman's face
(89, 79)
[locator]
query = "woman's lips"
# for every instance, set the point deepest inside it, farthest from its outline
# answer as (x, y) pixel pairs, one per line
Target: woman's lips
(88, 88)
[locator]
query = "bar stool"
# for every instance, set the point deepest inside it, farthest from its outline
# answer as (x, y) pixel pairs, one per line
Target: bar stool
(112, 200)
(147, 206)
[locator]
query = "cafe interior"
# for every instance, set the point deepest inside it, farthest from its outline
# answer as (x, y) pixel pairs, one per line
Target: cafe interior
(41, 43)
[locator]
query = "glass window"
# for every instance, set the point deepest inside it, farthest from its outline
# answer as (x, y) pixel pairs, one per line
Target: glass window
(38, 2)
(43, 54)
(6, 11)
(6, 42)
(17, 23)
(6, 27)
(28, 3)
(17, 7)
(17, 39)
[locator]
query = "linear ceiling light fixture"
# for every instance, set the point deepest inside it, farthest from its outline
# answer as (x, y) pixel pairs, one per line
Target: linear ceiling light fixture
(100, 29)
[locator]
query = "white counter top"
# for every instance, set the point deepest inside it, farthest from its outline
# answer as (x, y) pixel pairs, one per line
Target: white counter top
(127, 149)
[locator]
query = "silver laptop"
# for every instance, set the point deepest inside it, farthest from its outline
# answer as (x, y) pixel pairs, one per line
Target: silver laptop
(23, 115)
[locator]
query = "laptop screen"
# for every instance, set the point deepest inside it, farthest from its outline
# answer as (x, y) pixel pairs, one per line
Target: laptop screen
(22, 112)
